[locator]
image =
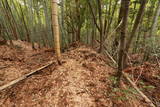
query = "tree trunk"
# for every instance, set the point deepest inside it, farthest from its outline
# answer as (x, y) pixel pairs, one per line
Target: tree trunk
(78, 34)
(28, 39)
(116, 38)
(152, 32)
(124, 12)
(9, 18)
(111, 19)
(135, 27)
(101, 26)
(78, 16)
(155, 19)
(56, 30)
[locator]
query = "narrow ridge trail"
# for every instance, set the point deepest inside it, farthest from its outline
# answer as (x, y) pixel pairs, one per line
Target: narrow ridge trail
(81, 81)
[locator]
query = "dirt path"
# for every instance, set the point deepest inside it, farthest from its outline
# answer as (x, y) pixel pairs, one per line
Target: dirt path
(74, 90)
(81, 81)
(66, 85)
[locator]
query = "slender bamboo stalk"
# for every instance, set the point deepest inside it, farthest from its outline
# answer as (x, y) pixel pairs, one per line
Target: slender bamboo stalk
(56, 33)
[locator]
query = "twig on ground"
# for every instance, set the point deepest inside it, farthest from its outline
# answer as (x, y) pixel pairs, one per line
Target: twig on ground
(129, 60)
(110, 57)
(138, 76)
(24, 76)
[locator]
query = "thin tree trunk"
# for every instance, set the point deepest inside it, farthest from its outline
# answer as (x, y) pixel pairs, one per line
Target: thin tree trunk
(153, 31)
(64, 38)
(78, 30)
(116, 39)
(13, 20)
(111, 19)
(0, 30)
(94, 16)
(124, 12)
(155, 19)
(133, 16)
(25, 25)
(6, 10)
(101, 26)
(47, 21)
(55, 25)
(135, 27)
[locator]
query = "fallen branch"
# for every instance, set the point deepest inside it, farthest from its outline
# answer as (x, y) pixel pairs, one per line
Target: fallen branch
(138, 76)
(147, 100)
(110, 57)
(107, 53)
(25, 76)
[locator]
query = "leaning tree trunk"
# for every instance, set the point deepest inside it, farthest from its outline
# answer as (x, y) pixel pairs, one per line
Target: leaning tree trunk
(56, 33)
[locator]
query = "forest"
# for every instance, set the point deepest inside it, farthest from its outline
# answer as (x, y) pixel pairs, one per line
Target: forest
(79, 53)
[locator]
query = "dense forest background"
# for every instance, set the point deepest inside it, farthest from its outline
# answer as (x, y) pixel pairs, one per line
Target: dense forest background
(80, 20)
(116, 28)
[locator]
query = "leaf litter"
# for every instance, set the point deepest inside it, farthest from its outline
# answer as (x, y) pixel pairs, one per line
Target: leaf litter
(81, 81)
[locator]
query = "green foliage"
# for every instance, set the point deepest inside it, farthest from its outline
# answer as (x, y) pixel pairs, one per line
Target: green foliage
(153, 46)
(123, 94)
(113, 79)
(33, 17)
(150, 87)
(146, 87)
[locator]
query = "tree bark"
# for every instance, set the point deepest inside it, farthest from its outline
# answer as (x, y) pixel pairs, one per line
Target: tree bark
(55, 25)
(152, 31)
(116, 38)
(135, 27)
(9, 18)
(28, 39)
(155, 19)
(124, 12)
(78, 15)
(101, 26)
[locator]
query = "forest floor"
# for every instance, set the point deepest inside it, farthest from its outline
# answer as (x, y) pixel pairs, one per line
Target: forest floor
(83, 80)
